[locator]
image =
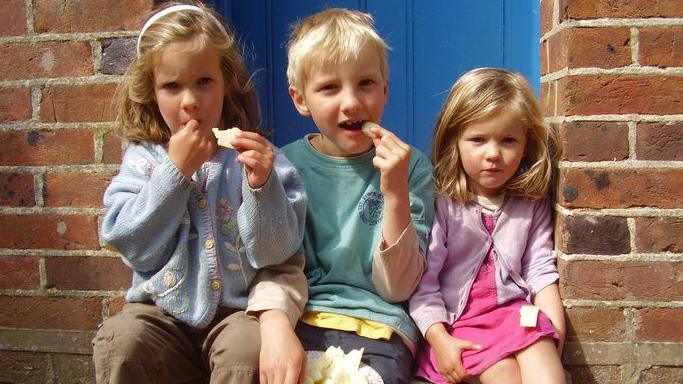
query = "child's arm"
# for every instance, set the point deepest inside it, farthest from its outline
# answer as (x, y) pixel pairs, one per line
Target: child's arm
(539, 268)
(427, 306)
(548, 299)
(283, 286)
(398, 263)
(271, 217)
(145, 206)
(392, 159)
(277, 297)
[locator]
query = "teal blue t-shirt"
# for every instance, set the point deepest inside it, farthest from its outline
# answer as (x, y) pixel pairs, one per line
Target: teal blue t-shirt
(343, 228)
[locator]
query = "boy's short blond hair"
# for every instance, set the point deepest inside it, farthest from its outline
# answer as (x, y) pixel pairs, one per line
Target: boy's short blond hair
(331, 36)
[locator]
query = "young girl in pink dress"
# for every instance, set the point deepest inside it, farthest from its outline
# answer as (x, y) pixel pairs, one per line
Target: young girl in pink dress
(491, 250)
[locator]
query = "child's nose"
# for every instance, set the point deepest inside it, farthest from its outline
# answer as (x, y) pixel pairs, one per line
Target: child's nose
(350, 102)
(492, 152)
(189, 101)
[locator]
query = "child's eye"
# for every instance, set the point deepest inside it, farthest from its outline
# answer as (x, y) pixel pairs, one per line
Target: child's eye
(327, 87)
(367, 82)
(204, 81)
(477, 139)
(509, 140)
(170, 85)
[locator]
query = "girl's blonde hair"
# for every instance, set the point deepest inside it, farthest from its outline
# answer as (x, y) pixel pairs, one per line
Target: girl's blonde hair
(334, 35)
(482, 94)
(138, 117)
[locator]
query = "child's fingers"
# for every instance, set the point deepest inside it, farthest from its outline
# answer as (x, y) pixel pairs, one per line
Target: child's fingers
(469, 345)
(387, 138)
(292, 375)
(250, 140)
(256, 158)
(192, 126)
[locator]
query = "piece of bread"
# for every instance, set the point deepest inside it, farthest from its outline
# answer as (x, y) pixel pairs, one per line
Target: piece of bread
(366, 128)
(528, 316)
(225, 136)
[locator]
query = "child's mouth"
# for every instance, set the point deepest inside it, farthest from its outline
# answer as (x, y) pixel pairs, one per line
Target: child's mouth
(354, 125)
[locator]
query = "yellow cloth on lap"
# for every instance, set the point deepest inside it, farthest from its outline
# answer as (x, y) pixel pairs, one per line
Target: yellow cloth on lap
(365, 328)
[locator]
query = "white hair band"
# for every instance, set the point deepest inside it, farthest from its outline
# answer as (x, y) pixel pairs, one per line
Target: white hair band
(175, 8)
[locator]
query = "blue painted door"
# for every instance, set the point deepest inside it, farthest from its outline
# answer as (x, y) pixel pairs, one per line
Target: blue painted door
(433, 42)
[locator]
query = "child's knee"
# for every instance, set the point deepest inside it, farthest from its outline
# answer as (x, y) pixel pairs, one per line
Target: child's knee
(121, 338)
(237, 344)
(504, 371)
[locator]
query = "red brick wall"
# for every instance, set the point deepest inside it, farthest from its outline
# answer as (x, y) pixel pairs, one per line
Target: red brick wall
(61, 62)
(612, 82)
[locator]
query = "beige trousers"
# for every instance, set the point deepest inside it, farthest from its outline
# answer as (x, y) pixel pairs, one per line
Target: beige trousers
(142, 344)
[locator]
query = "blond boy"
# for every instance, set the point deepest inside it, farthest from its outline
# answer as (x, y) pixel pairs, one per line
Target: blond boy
(370, 195)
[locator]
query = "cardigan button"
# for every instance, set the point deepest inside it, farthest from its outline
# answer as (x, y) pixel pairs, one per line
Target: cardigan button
(215, 285)
(203, 203)
(209, 244)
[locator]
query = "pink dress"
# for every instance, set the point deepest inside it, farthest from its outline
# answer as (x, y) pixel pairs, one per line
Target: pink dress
(494, 327)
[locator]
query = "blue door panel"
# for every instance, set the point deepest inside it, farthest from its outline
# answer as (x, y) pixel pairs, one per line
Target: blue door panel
(432, 43)
(448, 43)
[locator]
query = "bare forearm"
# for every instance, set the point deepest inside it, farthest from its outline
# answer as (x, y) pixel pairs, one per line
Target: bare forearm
(548, 299)
(396, 216)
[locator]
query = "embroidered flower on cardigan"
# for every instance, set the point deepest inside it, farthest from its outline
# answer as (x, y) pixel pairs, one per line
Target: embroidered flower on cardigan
(226, 215)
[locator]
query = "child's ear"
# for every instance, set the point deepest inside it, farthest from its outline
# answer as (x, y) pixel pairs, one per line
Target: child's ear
(386, 92)
(299, 101)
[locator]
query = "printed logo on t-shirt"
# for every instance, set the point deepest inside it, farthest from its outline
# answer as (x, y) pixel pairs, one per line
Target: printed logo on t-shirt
(370, 208)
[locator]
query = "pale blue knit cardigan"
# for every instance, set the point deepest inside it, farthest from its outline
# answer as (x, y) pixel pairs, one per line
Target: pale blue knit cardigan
(195, 244)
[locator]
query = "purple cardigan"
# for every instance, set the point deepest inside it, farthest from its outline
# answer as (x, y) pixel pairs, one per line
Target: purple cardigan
(523, 257)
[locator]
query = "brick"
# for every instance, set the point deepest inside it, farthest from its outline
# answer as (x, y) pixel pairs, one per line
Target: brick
(594, 141)
(594, 374)
(19, 272)
(15, 104)
(546, 15)
(595, 324)
(659, 141)
(660, 375)
(117, 54)
(74, 189)
(111, 149)
(596, 235)
(659, 234)
(50, 312)
(614, 280)
(49, 231)
(620, 94)
(67, 103)
(45, 60)
(605, 47)
(591, 9)
(47, 340)
(56, 16)
(661, 46)
(16, 189)
(95, 273)
(659, 324)
(13, 18)
(115, 305)
(73, 369)
(23, 367)
(47, 147)
(621, 188)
